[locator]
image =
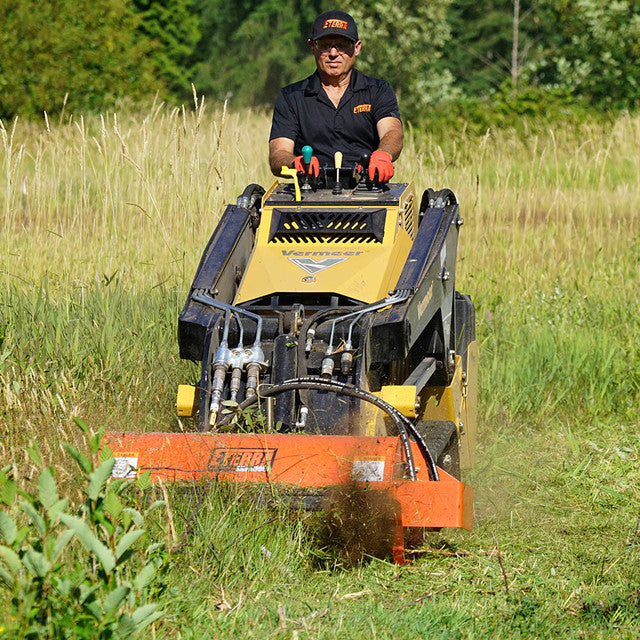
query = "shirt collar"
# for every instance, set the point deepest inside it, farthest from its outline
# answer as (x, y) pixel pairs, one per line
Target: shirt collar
(314, 85)
(357, 81)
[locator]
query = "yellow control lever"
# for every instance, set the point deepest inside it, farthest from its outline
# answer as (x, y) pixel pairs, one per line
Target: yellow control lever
(337, 160)
(289, 172)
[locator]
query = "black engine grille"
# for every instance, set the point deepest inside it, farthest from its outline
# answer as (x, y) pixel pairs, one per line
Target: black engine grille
(323, 225)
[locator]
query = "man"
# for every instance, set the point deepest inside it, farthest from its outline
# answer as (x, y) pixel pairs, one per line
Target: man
(336, 109)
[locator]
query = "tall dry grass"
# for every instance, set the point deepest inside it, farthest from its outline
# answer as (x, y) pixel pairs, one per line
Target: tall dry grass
(104, 219)
(137, 194)
(131, 194)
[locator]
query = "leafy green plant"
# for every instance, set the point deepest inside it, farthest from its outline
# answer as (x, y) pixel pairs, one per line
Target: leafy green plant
(249, 420)
(100, 588)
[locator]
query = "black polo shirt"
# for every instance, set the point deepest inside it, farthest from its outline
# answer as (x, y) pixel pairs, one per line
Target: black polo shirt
(304, 113)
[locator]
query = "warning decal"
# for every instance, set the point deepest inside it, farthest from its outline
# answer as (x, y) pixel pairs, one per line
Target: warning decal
(125, 467)
(367, 470)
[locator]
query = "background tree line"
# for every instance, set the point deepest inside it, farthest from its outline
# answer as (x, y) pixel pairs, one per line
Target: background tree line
(443, 57)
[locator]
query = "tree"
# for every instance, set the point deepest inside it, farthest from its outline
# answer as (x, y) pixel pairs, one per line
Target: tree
(480, 52)
(403, 41)
(591, 48)
(576, 49)
(86, 49)
(251, 48)
(173, 27)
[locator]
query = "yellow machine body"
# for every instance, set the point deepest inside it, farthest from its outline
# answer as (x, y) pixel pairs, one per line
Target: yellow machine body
(299, 267)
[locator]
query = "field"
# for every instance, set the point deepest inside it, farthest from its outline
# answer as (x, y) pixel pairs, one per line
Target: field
(103, 220)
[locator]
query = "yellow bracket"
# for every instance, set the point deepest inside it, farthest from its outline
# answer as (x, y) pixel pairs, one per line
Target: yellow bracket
(188, 400)
(402, 397)
(292, 173)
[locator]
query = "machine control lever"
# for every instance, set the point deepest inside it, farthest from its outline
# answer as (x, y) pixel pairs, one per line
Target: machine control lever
(307, 154)
(337, 189)
(365, 158)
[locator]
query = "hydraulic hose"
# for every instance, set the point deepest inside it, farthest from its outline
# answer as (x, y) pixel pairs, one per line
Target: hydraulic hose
(404, 425)
(358, 311)
(201, 296)
(314, 320)
(389, 409)
(395, 298)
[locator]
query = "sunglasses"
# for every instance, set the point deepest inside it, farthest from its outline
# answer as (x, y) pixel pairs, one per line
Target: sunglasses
(342, 46)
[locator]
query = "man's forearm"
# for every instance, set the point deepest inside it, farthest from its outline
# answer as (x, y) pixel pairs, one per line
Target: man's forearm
(391, 142)
(278, 159)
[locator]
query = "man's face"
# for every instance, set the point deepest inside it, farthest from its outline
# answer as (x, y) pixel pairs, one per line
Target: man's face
(335, 55)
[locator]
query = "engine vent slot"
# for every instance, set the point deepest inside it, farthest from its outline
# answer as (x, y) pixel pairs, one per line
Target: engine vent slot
(409, 220)
(327, 225)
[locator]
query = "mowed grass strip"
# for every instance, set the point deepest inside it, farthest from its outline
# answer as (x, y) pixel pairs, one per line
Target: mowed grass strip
(103, 222)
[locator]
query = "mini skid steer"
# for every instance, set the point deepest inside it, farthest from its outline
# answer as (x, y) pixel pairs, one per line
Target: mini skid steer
(328, 305)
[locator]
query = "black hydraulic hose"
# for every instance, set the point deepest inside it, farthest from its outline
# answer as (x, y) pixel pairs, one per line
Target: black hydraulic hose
(410, 427)
(422, 446)
(326, 385)
(315, 319)
(250, 195)
(403, 424)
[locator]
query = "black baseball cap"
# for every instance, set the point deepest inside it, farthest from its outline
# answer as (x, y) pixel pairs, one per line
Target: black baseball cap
(336, 23)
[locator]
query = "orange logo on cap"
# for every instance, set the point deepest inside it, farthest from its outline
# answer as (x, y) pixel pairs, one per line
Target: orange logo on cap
(337, 24)
(361, 108)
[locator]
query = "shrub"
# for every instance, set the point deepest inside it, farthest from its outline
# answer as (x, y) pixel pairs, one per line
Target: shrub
(83, 572)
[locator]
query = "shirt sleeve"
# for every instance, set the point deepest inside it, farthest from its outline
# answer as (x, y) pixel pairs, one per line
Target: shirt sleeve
(285, 123)
(385, 103)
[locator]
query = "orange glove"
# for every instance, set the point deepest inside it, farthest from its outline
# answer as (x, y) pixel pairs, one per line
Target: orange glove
(381, 161)
(312, 170)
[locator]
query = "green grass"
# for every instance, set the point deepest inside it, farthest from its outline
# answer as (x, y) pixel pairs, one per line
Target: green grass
(103, 223)
(560, 517)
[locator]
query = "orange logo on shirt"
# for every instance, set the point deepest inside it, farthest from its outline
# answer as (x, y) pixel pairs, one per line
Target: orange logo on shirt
(361, 108)
(335, 24)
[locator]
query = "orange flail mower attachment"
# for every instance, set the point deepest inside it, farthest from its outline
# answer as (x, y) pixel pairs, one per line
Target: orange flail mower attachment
(312, 461)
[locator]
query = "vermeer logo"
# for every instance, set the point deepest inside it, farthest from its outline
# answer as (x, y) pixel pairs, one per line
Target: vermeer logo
(243, 460)
(315, 261)
(334, 24)
(361, 108)
(312, 266)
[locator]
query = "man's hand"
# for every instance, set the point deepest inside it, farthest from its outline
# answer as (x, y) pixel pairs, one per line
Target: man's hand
(312, 169)
(381, 162)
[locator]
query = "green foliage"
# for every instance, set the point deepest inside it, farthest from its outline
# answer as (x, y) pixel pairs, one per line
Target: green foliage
(173, 27)
(401, 43)
(251, 48)
(85, 55)
(59, 589)
(532, 109)
(565, 351)
(249, 420)
(120, 334)
(83, 49)
(479, 54)
(587, 49)
(592, 49)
